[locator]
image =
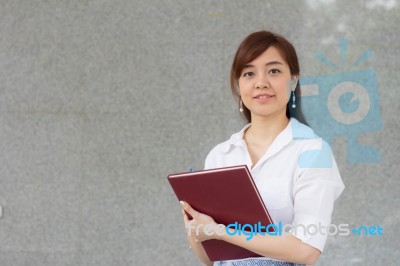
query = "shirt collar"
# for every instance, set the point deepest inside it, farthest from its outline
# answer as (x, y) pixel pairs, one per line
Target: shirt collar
(236, 139)
(294, 130)
(301, 131)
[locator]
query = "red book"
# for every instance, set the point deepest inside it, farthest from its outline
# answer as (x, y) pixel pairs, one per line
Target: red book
(228, 195)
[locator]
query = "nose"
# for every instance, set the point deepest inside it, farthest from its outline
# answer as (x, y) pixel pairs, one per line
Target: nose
(262, 80)
(262, 84)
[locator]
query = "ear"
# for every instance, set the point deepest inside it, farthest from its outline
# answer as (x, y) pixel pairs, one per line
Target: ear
(294, 81)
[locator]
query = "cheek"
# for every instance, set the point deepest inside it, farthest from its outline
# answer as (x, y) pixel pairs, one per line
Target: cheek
(244, 88)
(288, 91)
(285, 90)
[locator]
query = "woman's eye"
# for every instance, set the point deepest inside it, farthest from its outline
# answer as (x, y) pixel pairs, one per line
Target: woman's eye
(248, 74)
(274, 71)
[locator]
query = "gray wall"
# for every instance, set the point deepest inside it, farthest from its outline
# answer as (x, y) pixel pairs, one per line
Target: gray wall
(101, 100)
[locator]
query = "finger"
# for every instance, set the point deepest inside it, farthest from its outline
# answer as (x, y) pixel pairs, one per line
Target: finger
(186, 219)
(189, 209)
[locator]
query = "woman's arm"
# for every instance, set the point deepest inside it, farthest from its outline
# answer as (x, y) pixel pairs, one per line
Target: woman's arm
(198, 249)
(195, 245)
(287, 248)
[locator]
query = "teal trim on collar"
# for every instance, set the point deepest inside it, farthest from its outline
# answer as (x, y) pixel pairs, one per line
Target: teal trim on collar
(296, 130)
(301, 131)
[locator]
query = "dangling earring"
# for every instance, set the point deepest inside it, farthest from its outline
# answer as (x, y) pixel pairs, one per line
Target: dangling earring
(294, 100)
(241, 106)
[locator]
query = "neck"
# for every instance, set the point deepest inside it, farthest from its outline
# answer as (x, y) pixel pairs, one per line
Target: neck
(265, 129)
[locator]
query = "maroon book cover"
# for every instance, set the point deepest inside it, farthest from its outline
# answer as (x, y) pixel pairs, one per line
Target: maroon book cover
(228, 195)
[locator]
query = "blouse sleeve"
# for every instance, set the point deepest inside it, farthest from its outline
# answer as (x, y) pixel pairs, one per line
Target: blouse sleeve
(317, 186)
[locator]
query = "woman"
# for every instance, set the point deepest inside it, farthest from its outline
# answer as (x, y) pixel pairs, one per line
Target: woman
(294, 170)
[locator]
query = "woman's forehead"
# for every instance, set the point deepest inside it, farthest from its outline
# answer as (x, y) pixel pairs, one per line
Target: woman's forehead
(271, 54)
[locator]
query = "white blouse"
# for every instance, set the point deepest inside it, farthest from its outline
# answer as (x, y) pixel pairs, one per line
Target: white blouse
(297, 178)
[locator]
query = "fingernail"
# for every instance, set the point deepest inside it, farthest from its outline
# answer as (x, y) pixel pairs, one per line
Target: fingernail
(182, 203)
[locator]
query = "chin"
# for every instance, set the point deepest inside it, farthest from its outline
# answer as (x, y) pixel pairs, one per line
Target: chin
(269, 113)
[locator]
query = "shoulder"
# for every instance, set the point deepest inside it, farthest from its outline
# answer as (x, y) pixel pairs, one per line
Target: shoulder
(306, 136)
(222, 149)
(316, 165)
(314, 151)
(216, 153)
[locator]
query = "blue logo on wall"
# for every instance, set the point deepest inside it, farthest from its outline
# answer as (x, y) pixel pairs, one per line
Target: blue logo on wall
(344, 103)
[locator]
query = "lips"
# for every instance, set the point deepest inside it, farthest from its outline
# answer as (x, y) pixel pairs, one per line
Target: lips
(263, 96)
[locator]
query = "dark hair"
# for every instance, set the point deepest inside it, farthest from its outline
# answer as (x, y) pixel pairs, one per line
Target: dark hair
(252, 47)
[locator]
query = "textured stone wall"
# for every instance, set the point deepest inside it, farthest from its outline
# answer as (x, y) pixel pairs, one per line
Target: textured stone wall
(101, 100)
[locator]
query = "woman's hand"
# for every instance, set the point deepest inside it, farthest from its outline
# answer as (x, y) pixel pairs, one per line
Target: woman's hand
(202, 227)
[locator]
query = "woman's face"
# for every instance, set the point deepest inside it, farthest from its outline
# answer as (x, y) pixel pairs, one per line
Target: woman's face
(264, 84)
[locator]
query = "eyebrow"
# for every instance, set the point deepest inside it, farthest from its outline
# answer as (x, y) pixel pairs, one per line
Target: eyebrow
(267, 64)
